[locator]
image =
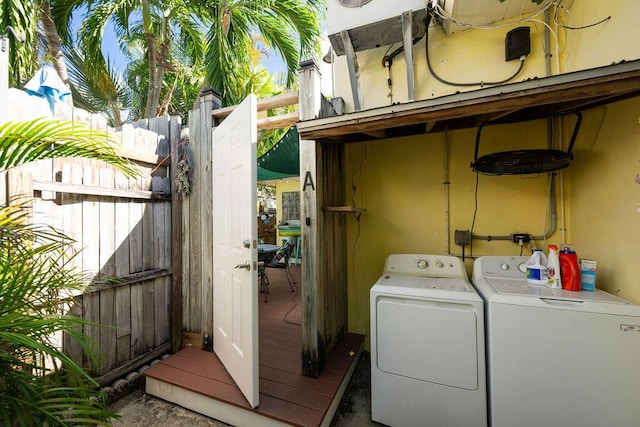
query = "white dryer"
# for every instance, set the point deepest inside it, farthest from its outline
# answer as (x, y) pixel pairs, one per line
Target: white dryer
(427, 344)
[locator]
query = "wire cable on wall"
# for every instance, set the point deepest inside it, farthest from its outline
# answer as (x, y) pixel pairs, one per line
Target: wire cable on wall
(356, 240)
(461, 84)
(475, 212)
(443, 15)
(568, 27)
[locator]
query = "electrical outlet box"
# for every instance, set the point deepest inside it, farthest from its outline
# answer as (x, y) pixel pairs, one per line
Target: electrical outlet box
(462, 237)
(517, 43)
(520, 237)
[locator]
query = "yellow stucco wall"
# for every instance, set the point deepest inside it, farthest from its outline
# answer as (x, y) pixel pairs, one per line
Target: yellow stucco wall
(604, 197)
(602, 44)
(401, 182)
(477, 55)
(283, 186)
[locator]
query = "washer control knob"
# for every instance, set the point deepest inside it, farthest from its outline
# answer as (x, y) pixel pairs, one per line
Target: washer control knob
(439, 264)
(522, 267)
(422, 264)
(504, 266)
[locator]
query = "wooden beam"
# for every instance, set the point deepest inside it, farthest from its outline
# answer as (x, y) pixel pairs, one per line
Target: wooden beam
(552, 93)
(379, 134)
(134, 364)
(88, 190)
(282, 100)
(407, 42)
(151, 159)
(128, 279)
(428, 127)
(354, 70)
(278, 122)
(496, 116)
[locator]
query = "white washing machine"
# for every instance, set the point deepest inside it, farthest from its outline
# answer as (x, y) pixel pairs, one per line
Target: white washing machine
(427, 344)
(557, 358)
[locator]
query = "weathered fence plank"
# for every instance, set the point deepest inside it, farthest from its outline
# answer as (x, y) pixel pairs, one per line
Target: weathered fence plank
(90, 226)
(107, 334)
(161, 306)
(91, 313)
(71, 346)
(136, 213)
(123, 324)
(122, 247)
(137, 320)
(106, 236)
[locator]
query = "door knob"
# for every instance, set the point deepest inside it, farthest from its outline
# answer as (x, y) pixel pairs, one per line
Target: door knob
(247, 243)
(246, 265)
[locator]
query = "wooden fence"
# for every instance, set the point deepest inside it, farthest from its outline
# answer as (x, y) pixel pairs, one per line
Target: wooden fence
(122, 230)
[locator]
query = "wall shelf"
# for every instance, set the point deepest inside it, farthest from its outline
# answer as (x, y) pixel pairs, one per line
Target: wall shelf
(343, 209)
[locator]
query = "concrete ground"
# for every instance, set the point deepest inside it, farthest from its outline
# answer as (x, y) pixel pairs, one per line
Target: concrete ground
(139, 409)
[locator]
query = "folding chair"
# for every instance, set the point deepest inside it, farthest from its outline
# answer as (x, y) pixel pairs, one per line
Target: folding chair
(281, 260)
(264, 258)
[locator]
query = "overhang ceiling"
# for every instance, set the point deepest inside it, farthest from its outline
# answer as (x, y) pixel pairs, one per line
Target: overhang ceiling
(509, 103)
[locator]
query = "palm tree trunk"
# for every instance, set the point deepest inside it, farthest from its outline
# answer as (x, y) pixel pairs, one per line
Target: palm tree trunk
(53, 45)
(152, 100)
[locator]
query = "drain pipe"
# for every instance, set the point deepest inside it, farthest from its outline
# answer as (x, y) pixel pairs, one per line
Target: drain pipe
(446, 190)
(552, 180)
(563, 228)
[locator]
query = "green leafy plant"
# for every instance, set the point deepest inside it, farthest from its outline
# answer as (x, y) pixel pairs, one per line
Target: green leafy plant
(39, 383)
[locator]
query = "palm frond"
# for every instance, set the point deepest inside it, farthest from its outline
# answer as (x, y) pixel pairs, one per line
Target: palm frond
(23, 142)
(62, 12)
(97, 87)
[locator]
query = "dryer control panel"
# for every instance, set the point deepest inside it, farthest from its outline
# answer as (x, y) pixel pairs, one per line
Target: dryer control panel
(426, 265)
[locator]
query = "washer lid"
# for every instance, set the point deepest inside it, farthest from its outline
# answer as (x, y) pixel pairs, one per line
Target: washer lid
(421, 282)
(519, 292)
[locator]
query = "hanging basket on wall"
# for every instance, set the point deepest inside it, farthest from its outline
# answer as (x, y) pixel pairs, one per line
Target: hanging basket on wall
(522, 162)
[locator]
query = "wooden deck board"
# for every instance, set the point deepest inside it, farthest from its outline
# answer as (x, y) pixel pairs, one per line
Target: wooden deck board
(286, 396)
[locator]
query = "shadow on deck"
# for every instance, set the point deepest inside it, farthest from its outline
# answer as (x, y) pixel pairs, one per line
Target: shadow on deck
(197, 380)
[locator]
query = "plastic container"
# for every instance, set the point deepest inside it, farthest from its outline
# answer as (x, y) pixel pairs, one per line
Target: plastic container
(569, 270)
(537, 268)
(587, 275)
(554, 279)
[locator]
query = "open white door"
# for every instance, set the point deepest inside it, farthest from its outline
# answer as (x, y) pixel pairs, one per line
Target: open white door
(235, 289)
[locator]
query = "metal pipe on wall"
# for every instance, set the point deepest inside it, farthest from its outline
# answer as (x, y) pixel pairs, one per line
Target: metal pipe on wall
(446, 183)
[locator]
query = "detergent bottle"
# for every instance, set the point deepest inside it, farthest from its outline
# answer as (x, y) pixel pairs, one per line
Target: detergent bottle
(569, 269)
(554, 279)
(537, 268)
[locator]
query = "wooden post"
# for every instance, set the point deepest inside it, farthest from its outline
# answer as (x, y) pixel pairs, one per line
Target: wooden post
(310, 98)
(209, 101)
(176, 239)
(309, 107)
(324, 274)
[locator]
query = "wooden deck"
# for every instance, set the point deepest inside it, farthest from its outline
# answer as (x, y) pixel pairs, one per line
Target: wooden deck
(197, 380)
